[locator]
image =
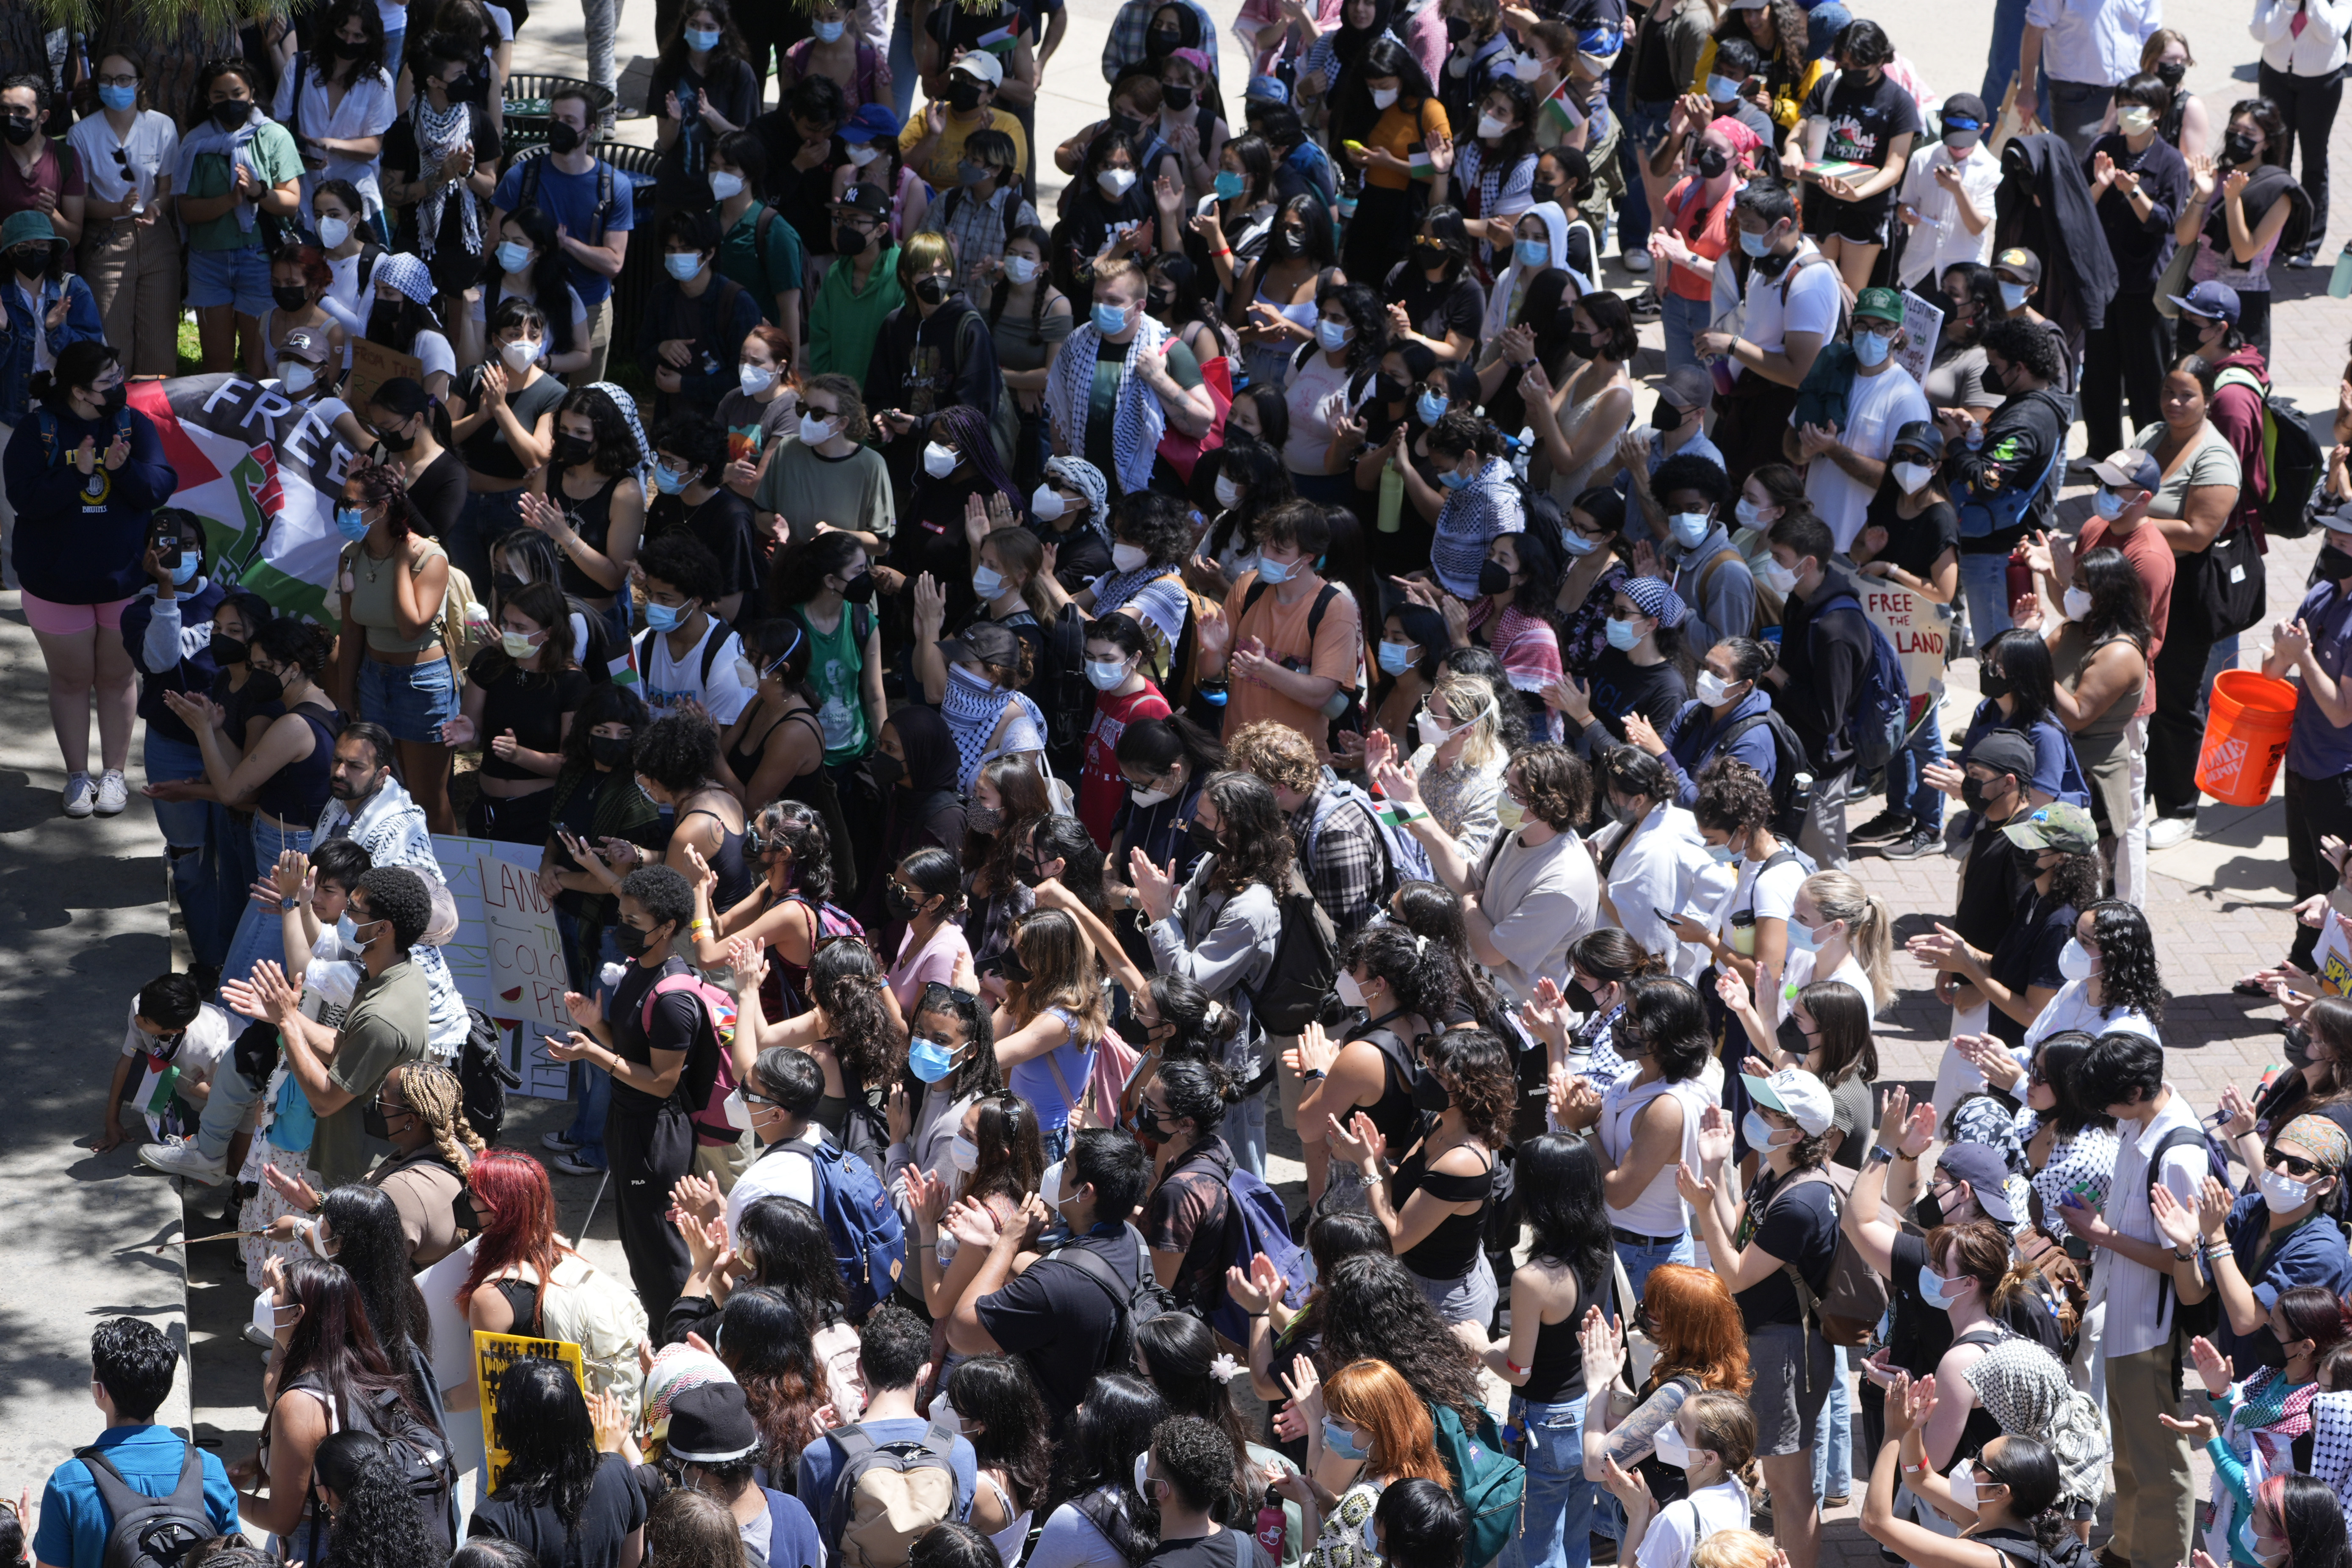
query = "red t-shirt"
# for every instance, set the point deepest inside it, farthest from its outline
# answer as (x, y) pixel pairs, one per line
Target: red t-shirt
(1100, 783)
(16, 192)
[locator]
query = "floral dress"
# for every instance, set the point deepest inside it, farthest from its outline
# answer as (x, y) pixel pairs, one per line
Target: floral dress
(1464, 798)
(1345, 1540)
(1584, 631)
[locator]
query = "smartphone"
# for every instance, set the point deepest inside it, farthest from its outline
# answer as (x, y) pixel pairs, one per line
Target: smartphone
(1666, 915)
(169, 545)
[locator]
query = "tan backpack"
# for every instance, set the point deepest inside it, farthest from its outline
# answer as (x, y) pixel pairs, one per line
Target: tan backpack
(889, 1495)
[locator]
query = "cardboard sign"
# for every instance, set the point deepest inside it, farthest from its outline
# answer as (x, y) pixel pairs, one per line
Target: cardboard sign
(507, 957)
(2331, 962)
(1920, 630)
(1923, 324)
(493, 1355)
(372, 364)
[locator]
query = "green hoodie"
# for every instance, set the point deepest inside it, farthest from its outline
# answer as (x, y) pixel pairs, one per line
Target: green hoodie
(844, 321)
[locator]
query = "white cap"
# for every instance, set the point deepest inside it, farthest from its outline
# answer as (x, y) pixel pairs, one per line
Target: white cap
(981, 64)
(1797, 1095)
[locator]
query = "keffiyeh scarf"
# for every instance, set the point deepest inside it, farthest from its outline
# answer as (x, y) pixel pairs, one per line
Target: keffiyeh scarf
(237, 146)
(2024, 1387)
(1139, 421)
(438, 135)
(972, 708)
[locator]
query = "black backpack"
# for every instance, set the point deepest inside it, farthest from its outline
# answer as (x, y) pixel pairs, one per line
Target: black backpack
(1306, 962)
(1790, 804)
(1137, 1300)
(2189, 1318)
(145, 1531)
(419, 1453)
(484, 1077)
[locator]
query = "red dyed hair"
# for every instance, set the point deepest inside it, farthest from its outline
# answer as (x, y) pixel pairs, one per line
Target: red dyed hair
(522, 1226)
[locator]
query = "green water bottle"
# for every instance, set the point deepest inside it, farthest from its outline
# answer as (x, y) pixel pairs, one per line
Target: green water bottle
(2339, 286)
(1391, 497)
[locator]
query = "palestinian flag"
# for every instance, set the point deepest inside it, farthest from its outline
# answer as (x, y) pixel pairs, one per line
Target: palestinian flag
(1561, 113)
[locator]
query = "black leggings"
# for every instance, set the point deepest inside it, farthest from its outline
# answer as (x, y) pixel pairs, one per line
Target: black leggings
(648, 1154)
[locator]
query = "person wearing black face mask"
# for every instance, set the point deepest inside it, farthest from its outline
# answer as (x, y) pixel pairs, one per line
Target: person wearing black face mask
(567, 189)
(593, 509)
(596, 801)
(165, 628)
(1991, 783)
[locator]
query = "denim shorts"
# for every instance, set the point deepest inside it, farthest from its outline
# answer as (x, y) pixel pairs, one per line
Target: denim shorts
(240, 278)
(410, 701)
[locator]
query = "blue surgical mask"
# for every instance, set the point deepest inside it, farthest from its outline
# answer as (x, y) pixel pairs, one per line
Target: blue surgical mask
(1336, 1438)
(705, 39)
(1333, 335)
(1109, 319)
(1431, 407)
(1396, 657)
(667, 618)
(2107, 504)
(669, 483)
(1759, 1132)
(2012, 295)
(1803, 937)
(186, 572)
(350, 522)
(1623, 636)
(1229, 184)
(1754, 243)
(1274, 571)
(1722, 854)
(1721, 89)
(119, 98)
(682, 264)
(513, 256)
(1934, 1290)
(1531, 252)
(1453, 478)
(929, 1061)
(1871, 348)
(987, 582)
(829, 32)
(347, 932)
(1689, 528)
(1576, 543)
(1102, 674)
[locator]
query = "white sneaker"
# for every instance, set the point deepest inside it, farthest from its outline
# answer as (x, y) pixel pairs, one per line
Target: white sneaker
(2169, 832)
(180, 1157)
(81, 796)
(1635, 260)
(113, 795)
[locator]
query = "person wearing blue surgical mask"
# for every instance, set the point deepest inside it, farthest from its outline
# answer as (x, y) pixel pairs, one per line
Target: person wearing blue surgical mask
(702, 89)
(1846, 462)
(692, 332)
(1636, 673)
(1685, 500)
(1159, 389)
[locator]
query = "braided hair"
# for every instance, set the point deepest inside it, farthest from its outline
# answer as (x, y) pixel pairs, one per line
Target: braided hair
(381, 484)
(434, 1092)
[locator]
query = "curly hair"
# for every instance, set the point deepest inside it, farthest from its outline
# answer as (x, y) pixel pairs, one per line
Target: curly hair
(377, 1523)
(1697, 1327)
(1373, 1310)
(2025, 344)
(1254, 844)
(1555, 785)
(847, 981)
(788, 1250)
(796, 829)
(380, 484)
(1732, 797)
(1158, 525)
(1414, 967)
(363, 1223)
(1277, 753)
(1434, 910)
(765, 1342)
(613, 445)
(1486, 1089)
(2128, 977)
(1199, 1026)
(679, 752)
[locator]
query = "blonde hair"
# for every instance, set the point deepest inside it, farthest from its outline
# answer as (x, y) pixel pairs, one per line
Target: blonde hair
(1733, 1549)
(1464, 696)
(917, 254)
(434, 1092)
(1063, 972)
(1374, 1395)
(1870, 928)
(2160, 41)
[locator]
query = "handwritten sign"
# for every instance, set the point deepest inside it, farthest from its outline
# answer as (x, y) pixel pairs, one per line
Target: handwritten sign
(508, 955)
(494, 1356)
(2331, 964)
(1923, 324)
(372, 364)
(1919, 628)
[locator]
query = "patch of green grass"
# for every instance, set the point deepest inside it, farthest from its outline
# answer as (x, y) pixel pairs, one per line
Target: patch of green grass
(191, 354)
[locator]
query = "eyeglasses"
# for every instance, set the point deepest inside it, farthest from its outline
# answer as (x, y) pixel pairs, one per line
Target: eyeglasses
(2295, 1165)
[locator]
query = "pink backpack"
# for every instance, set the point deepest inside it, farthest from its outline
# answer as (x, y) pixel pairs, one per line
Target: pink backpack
(711, 1127)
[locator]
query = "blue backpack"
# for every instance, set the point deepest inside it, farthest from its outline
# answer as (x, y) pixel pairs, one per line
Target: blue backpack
(1880, 714)
(869, 1241)
(1255, 1222)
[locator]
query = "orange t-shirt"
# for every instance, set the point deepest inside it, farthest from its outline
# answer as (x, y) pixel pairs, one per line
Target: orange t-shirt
(1281, 628)
(1396, 132)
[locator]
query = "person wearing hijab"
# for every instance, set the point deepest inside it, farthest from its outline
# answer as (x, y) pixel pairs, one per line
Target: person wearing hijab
(2044, 207)
(914, 762)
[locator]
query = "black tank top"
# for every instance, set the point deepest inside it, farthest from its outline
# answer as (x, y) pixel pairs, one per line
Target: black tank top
(1447, 1252)
(1392, 1113)
(735, 877)
(592, 520)
(1555, 1374)
(744, 762)
(297, 792)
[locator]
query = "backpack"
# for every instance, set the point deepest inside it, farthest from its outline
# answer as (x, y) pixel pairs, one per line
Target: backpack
(1489, 1482)
(2189, 1318)
(457, 633)
(1848, 1312)
(869, 1240)
(2295, 459)
(1790, 807)
(699, 1083)
(641, 650)
(145, 1531)
(1768, 605)
(888, 1496)
(1306, 963)
(707, 1112)
(419, 1453)
(1323, 597)
(832, 921)
(1880, 715)
(1137, 1300)
(528, 195)
(484, 1077)
(1403, 858)
(1257, 1221)
(585, 1306)
(1061, 689)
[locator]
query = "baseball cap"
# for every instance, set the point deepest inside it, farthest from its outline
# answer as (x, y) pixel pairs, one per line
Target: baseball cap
(871, 200)
(2210, 299)
(1981, 1166)
(1797, 1095)
(983, 642)
(2065, 828)
(981, 65)
(872, 123)
(2340, 519)
(2021, 265)
(2004, 751)
(1687, 386)
(1920, 435)
(304, 345)
(1269, 89)
(1879, 305)
(1964, 112)
(710, 1424)
(2133, 468)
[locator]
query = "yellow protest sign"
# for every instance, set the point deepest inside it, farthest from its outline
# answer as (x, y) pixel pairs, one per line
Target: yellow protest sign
(493, 1354)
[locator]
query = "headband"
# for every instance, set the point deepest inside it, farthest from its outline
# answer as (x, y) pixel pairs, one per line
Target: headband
(2325, 1140)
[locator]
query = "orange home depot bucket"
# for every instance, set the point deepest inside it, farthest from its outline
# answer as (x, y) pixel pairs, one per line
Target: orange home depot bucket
(2246, 725)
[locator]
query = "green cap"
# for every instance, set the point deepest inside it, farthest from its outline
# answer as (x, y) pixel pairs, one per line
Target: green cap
(1881, 304)
(2068, 829)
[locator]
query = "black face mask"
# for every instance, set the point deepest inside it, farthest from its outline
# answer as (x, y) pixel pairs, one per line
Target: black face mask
(902, 904)
(1928, 1211)
(572, 449)
(1972, 794)
(30, 259)
(1429, 1092)
(1203, 838)
(562, 137)
(377, 1122)
(1016, 967)
(886, 770)
(1148, 1121)
(1792, 1039)
(609, 751)
(1389, 389)
(983, 818)
(848, 241)
(1993, 683)
(227, 649)
(963, 96)
(395, 440)
(2334, 562)
(1712, 162)
(231, 112)
(17, 130)
(1493, 578)
(1159, 300)
(1665, 417)
(290, 297)
(463, 86)
(505, 586)
(859, 589)
(1544, 190)
(1284, 242)
(1127, 124)
(1457, 30)
(1024, 867)
(263, 687)
(629, 939)
(1176, 98)
(932, 290)
(1162, 41)
(2237, 147)
(461, 1209)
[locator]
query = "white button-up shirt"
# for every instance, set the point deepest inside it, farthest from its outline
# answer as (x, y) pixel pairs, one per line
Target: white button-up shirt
(2097, 42)
(2140, 1307)
(1942, 237)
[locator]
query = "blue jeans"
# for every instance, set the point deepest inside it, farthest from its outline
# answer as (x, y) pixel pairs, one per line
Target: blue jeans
(1908, 791)
(1984, 588)
(1640, 1260)
(1556, 1520)
(1644, 123)
(1683, 320)
(261, 932)
(1833, 1451)
(410, 701)
(591, 1087)
(902, 65)
(488, 517)
(1245, 1132)
(187, 827)
(2002, 60)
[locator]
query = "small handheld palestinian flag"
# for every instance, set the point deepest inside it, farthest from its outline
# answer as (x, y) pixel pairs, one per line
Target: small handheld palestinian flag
(1562, 113)
(1417, 156)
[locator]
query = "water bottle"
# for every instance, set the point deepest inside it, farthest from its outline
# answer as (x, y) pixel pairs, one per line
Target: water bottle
(1273, 1529)
(2340, 287)
(1392, 506)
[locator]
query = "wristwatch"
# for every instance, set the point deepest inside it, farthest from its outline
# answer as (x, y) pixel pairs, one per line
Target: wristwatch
(1880, 1154)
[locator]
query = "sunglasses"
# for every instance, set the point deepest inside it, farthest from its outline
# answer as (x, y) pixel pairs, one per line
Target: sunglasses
(2295, 1165)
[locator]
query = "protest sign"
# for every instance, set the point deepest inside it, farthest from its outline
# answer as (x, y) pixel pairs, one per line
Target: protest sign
(493, 1355)
(507, 957)
(2331, 964)
(1919, 628)
(372, 364)
(1923, 324)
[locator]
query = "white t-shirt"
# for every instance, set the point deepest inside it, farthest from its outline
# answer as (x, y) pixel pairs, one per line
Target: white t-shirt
(1800, 974)
(1666, 866)
(475, 310)
(209, 1036)
(153, 148)
(1766, 895)
(1941, 238)
(365, 108)
(1684, 1523)
(1813, 300)
(2072, 1009)
(670, 682)
(1876, 407)
(777, 1172)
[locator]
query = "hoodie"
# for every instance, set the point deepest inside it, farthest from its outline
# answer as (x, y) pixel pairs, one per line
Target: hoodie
(2237, 412)
(2044, 204)
(2021, 440)
(1505, 291)
(1722, 599)
(1696, 737)
(922, 365)
(1826, 655)
(78, 540)
(171, 642)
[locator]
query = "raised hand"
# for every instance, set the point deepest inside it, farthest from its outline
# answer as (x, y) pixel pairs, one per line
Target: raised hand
(1714, 1137)
(2214, 1369)
(1314, 1053)
(1602, 1340)
(2176, 1220)
(1546, 1014)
